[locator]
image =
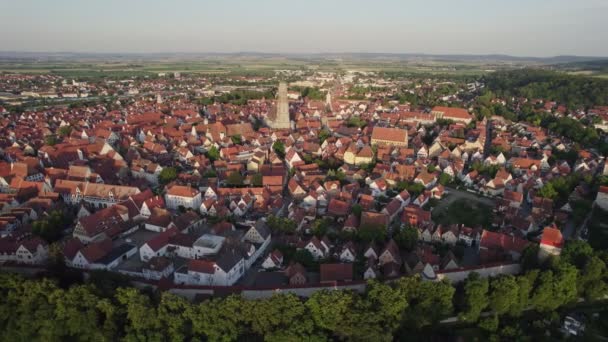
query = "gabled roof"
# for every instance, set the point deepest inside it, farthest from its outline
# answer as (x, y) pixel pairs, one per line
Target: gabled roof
(552, 237)
(336, 272)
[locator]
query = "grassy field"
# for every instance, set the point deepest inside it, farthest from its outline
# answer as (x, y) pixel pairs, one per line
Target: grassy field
(241, 65)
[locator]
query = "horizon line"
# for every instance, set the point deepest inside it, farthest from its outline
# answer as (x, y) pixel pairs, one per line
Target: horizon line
(301, 53)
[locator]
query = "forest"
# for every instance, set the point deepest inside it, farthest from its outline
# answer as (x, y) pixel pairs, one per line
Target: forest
(572, 91)
(49, 309)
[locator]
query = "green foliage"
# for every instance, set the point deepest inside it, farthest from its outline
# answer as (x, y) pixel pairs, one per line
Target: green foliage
(234, 179)
(355, 121)
(51, 140)
(257, 179)
(279, 148)
(486, 170)
(313, 93)
(323, 135)
(320, 227)
(413, 188)
(462, 211)
(167, 175)
(240, 97)
(213, 153)
(548, 191)
(281, 225)
(504, 294)
(50, 227)
(64, 131)
(573, 91)
(105, 309)
(357, 210)
(369, 233)
(445, 179)
(210, 173)
(406, 238)
(236, 139)
(475, 297)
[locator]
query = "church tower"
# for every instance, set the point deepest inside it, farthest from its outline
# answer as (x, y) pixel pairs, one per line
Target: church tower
(280, 118)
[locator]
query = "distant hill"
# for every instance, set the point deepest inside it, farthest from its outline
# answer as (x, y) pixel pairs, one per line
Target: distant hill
(55, 56)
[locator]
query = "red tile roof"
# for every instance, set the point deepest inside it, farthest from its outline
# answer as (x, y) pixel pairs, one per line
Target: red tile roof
(552, 237)
(336, 272)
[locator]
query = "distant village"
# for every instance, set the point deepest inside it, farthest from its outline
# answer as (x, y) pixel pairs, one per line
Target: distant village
(289, 190)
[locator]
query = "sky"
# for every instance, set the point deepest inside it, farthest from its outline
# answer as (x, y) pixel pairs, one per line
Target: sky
(515, 27)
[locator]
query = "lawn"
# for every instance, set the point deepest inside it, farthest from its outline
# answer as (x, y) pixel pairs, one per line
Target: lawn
(463, 211)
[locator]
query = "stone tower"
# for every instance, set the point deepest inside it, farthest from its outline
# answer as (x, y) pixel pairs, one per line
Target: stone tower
(280, 118)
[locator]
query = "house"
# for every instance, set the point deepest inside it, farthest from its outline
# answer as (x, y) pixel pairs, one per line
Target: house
(389, 136)
(258, 233)
(452, 113)
(450, 236)
(371, 270)
(160, 220)
(196, 272)
(318, 248)
(296, 274)
(331, 273)
(514, 198)
(469, 236)
(183, 196)
(156, 246)
(428, 180)
(373, 219)
(348, 252)
(157, 268)
(273, 260)
(95, 194)
(105, 223)
(602, 198)
(390, 254)
(415, 216)
(229, 267)
(551, 243)
(293, 159)
(89, 255)
(495, 246)
(23, 249)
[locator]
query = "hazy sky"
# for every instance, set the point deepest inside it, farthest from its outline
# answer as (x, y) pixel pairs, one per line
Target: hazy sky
(515, 27)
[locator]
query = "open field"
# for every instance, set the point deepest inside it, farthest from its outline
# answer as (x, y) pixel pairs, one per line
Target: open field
(239, 65)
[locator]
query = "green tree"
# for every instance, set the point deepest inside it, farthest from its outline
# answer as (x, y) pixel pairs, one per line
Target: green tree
(504, 293)
(236, 139)
(357, 210)
(388, 303)
(218, 319)
(279, 148)
(406, 238)
(280, 318)
(143, 323)
(213, 153)
(323, 135)
(475, 297)
(51, 140)
(591, 282)
(334, 318)
(445, 179)
(369, 233)
(64, 131)
(429, 302)
(171, 316)
(235, 179)
(257, 180)
(167, 175)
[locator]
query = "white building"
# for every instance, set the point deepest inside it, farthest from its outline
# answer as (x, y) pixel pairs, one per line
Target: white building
(184, 196)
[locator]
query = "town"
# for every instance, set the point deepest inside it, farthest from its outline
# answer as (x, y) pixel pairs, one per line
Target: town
(294, 181)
